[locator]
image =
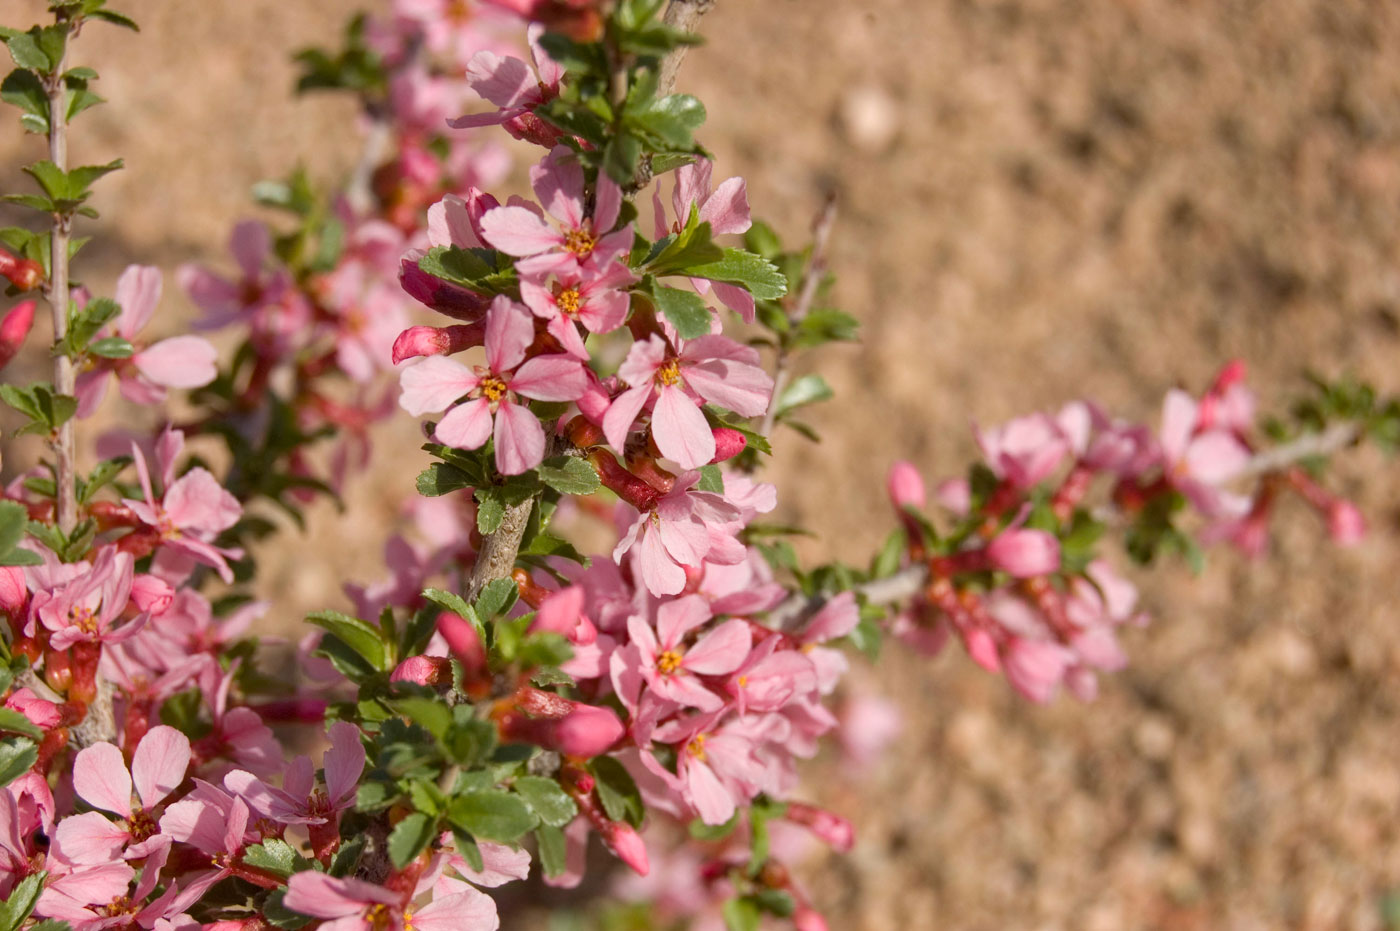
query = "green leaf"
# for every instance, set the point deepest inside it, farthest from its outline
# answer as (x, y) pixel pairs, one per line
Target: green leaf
(115, 18)
(112, 347)
(17, 755)
(496, 598)
(687, 311)
(23, 89)
(669, 123)
(51, 178)
(440, 479)
(410, 837)
(280, 916)
(621, 155)
(479, 270)
(569, 475)
(365, 640)
(32, 201)
(434, 716)
(24, 49)
(348, 856)
(713, 832)
(470, 740)
(14, 521)
(490, 510)
(753, 272)
(273, 855)
(809, 389)
(492, 815)
(81, 178)
(12, 722)
(552, 849)
(826, 325)
(457, 605)
(742, 914)
(711, 479)
(547, 799)
(21, 901)
(617, 791)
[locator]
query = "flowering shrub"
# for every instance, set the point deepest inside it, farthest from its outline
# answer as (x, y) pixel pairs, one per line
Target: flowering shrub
(499, 697)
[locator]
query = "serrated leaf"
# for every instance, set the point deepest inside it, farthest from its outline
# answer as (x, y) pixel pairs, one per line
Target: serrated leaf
(365, 640)
(496, 598)
(547, 799)
(12, 722)
(410, 837)
(553, 849)
(711, 479)
(757, 275)
(457, 605)
(490, 510)
(23, 89)
(617, 791)
(434, 716)
(441, 479)
(51, 178)
(569, 476)
(273, 855)
(492, 815)
(687, 311)
(21, 901)
(280, 916)
(27, 54)
(112, 347)
(17, 755)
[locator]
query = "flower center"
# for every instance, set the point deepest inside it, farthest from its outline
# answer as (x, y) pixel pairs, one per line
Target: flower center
(141, 825)
(569, 301)
(81, 616)
(696, 747)
(165, 526)
(493, 388)
(579, 242)
(377, 916)
(120, 905)
(668, 662)
(669, 373)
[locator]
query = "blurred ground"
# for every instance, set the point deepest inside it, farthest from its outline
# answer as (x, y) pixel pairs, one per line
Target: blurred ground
(1040, 199)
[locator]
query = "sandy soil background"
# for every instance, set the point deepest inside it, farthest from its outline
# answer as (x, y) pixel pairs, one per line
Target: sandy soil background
(1041, 199)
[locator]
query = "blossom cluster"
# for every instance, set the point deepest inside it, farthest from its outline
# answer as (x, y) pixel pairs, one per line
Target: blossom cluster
(499, 697)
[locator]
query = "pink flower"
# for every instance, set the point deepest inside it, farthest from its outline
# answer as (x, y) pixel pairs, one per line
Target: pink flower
(435, 383)
(216, 824)
(1036, 667)
(87, 608)
(708, 369)
(299, 801)
(194, 509)
(726, 209)
(592, 301)
(178, 362)
(516, 90)
(685, 528)
(14, 328)
(671, 669)
(583, 244)
(716, 766)
(905, 486)
(1197, 459)
(101, 779)
(355, 905)
(268, 302)
(1024, 451)
(1345, 524)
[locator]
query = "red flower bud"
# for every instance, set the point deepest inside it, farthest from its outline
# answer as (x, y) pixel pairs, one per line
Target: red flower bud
(13, 329)
(24, 274)
(728, 444)
(435, 341)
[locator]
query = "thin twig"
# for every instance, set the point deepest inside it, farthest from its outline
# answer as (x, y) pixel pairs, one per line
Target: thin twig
(908, 582)
(684, 15)
(811, 283)
(58, 296)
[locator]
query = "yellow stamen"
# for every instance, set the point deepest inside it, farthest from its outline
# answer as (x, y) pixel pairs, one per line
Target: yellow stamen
(569, 301)
(668, 662)
(580, 242)
(669, 373)
(696, 747)
(492, 389)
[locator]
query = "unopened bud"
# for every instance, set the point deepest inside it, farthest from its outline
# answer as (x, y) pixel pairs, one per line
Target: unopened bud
(982, 648)
(13, 329)
(829, 826)
(587, 732)
(151, 594)
(1345, 525)
(728, 444)
(905, 486)
(806, 918)
(435, 341)
(24, 274)
(455, 302)
(1025, 553)
(628, 845)
(422, 670)
(583, 433)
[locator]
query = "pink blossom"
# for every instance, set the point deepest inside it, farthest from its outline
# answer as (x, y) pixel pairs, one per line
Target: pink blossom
(88, 608)
(1024, 553)
(516, 90)
(355, 905)
(685, 527)
(1035, 668)
(436, 383)
(299, 801)
(717, 767)
(194, 509)
(583, 244)
(101, 779)
(670, 668)
(178, 362)
(267, 301)
(708, 369)
(575, 299)
(1199, 459)
(14, 329)
(1345, 524)
(726, 209)
(1024, 451)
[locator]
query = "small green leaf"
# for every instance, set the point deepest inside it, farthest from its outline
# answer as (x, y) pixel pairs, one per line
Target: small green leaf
(552, 849)
(112, 347)
(617, 791)
(22, 88)
(496, 598)
(687, 311)
(713, 832)
(569, 475)
(365, 640)
(410, 837)
(809, 389)
(27, 54)
(547, 799)
(17, 755)
(492, 815)
(753, 272)
(21, 901)
(490, 510)
(742, 915)
(440, 479)
(12, 722)
(273, 855)
(457, 605)
(433, 715)
(711, 479)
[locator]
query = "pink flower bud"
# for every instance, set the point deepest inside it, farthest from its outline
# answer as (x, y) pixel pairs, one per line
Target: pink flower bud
(455, 302)
(1025, 553)
(151, 594)
(421, 670)
(13, 329)
(433, 341)
(1345, 525)
(982, 648)
(587, 731)
(627, 845)
(905, 486)
(829, 826)
(807, 918)
(13, 594)
(462, 639)
(1035, 667)
(41, 713)
(728, 444)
